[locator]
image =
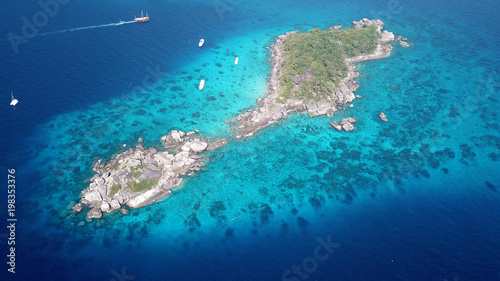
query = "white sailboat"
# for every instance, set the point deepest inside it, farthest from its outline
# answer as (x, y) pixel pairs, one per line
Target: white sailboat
(202, 41)
(13, 101)
(202, 85)
(236, 61)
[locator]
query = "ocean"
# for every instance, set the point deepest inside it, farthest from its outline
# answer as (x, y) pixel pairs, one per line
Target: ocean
(414, 198)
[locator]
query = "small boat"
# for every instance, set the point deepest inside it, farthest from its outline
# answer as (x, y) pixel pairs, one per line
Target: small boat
(202, 85)
(202, 41)
(13, 101)
(236, 61)
(142, 18)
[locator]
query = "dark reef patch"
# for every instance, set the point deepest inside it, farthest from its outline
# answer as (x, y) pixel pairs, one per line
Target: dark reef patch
(467, 153)
(494, 156)
(265, 213)
(217, 208)
(317, 201)
(491, 186)
(229, 233)
(303, 224)
(140, 112)
(192, 222)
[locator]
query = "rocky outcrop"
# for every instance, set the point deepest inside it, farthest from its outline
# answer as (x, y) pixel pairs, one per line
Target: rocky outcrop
(403, 42)
(299, 79)
(345, 124)
(382, 116)
(139, 177)
(336, 125)
(217, 144)
(335, 27)
(271, 110)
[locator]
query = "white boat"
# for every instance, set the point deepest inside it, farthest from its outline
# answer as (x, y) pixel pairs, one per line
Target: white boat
(236, 61)
(13, 101)
(202, 41)
(202, 85)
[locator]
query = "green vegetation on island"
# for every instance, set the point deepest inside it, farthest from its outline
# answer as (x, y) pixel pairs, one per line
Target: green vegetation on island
(141, 186)
(323, 52)
(114, 189)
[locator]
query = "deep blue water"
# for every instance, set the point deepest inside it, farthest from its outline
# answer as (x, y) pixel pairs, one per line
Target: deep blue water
(415, 198)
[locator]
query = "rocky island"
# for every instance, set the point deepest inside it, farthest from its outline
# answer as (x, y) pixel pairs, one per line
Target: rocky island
(140, 177)
(315, 72)
(311, 72)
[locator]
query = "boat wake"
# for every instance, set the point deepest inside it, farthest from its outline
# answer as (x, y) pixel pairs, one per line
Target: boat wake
(85, 27)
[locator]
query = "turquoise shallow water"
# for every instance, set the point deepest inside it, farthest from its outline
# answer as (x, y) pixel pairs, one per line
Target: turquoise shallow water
(410, 199)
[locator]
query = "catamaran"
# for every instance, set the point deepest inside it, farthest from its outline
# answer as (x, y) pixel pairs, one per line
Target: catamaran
(202, 41)
(142, 18)
(13, 101)
(202, 85)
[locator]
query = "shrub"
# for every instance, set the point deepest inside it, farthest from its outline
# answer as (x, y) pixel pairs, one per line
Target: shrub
(141, 186)
(114, 189)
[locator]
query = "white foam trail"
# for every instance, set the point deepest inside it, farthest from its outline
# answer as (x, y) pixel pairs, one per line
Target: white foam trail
(85, 27)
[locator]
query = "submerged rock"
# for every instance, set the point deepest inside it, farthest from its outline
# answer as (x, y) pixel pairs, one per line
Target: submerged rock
(78, 207)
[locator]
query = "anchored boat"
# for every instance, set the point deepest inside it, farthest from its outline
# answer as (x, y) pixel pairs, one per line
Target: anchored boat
(202, 85)
(202, 41)
(142, 18)
(236, 61)
(13, 101)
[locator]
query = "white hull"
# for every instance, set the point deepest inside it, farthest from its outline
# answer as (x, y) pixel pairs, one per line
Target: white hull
(236, 61)
(13, 101)
(202, 41)
(202, 85)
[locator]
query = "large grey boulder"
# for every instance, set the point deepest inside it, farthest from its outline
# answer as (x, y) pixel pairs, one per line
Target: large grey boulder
(149, 174)
(133, 162)
(104, 206)
(383, 116)
(347, 126)
(115, 204)
(336, 125)
(318, 108)
(150, 161)
(92, 195)
(198, 146)
(95, 213)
